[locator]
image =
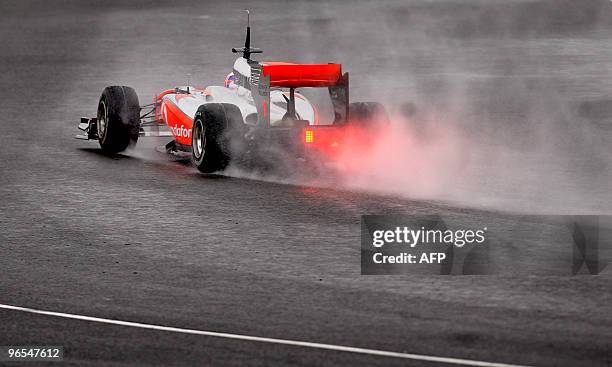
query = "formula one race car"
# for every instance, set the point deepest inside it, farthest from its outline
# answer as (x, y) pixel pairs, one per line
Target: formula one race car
(256, 114)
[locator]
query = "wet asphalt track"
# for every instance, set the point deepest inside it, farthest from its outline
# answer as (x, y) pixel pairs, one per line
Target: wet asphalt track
(140, 238)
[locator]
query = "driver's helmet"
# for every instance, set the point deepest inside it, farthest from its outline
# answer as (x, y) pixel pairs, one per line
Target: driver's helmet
(230, 81)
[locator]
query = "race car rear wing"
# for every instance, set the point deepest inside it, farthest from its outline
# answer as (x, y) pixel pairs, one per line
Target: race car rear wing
(266, 75)
(284, 75)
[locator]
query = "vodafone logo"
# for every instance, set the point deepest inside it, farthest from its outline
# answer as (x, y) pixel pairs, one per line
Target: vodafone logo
(178, 131)
(164, 112)
(181, 131)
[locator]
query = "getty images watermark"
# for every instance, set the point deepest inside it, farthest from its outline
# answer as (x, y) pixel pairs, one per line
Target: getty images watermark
(493, 244)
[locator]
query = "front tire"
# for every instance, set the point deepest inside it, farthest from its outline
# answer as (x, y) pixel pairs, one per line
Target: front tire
(118, 119)
(215, 136)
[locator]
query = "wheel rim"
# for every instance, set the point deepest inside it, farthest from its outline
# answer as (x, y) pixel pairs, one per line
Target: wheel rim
(199, 140)
(102, 122)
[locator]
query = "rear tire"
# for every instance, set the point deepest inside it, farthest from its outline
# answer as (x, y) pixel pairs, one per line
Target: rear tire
(216, 134)
(367, 114)
(118, 120)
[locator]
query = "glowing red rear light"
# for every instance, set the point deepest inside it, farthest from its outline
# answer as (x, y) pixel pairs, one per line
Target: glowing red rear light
(309, 137)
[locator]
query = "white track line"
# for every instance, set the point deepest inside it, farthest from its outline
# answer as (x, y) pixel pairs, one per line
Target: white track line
(297, 343)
